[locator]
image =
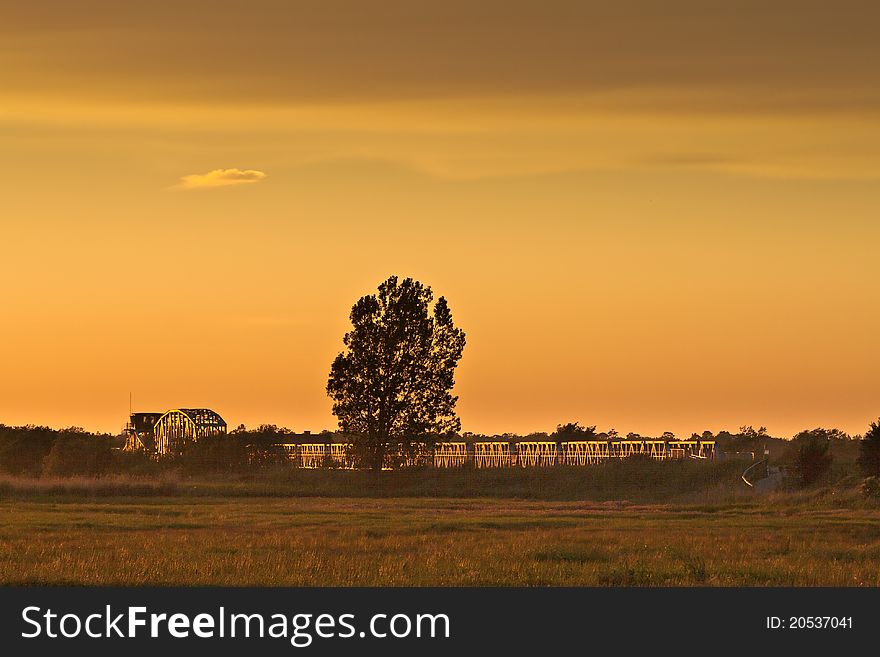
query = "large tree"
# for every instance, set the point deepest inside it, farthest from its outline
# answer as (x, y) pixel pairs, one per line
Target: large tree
(392, 386)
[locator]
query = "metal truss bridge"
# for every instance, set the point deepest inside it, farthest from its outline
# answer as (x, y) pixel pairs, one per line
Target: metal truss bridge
(515, 454)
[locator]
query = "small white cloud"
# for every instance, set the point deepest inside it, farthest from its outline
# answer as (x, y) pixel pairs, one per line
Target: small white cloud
(220, 178)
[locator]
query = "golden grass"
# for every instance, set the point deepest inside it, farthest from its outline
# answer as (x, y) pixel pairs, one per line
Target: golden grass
(421, 542)
(631, 479)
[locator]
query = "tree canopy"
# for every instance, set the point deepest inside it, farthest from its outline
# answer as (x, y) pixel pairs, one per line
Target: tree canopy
(574, 431)
(392, 386)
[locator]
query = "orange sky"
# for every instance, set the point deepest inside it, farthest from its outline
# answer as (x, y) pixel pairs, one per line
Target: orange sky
(652, 216)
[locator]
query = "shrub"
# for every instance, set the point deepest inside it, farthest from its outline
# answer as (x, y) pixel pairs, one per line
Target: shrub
(813, 459)
(78, 454)
(869, 451)
(214, 454)
(139, 464)
(23, 449)
(871, 487)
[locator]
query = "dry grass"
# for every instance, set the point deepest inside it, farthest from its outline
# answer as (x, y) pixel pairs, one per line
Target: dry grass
(418, 542)
(108, 486)
(632, 479)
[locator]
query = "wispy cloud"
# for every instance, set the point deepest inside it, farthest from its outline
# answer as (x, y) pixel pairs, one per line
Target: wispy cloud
(220, 178)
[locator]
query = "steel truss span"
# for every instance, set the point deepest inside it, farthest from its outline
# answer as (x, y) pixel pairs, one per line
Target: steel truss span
(169, 433)
(515, 454)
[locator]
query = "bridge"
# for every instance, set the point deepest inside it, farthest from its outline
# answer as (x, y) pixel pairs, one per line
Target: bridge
(515, 454)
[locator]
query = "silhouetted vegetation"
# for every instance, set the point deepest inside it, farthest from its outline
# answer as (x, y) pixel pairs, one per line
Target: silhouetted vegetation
(392, 387)
(239, 451)
(78, 453)
(812, 457)
(871, 487)
(574, 431)
(32, 451)
(747, 439)
(214, 454)
(258, 454)
(23, 449)
(869, 451)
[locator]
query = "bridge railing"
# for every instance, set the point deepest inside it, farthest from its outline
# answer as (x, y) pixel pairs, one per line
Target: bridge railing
(508, 454)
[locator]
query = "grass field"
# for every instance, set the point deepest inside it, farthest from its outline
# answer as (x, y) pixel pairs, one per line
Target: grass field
(633, 479)
(629, 523)
(423, 541)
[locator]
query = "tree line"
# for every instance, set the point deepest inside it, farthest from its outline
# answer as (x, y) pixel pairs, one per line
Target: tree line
(391, 388)
(35, 451)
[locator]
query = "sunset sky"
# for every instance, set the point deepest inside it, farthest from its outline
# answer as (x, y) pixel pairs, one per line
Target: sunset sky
(646, 215)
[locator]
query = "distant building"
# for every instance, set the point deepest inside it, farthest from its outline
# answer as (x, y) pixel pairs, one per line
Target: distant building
(165, 434)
